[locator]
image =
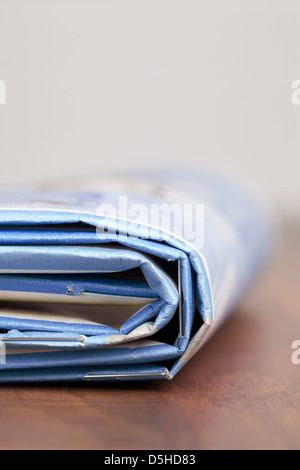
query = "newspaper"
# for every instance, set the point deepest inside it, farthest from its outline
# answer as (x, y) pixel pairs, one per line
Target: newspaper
(121, 277)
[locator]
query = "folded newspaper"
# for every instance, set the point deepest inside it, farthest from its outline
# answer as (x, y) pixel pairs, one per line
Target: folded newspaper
(121, 277)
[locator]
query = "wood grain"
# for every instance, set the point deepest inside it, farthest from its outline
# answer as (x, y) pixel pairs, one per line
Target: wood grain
(240, 392)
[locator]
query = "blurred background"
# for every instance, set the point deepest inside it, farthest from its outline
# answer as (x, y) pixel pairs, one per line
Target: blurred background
(93, 85)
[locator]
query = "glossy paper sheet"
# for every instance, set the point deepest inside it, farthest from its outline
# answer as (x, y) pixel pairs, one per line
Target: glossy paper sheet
(121, 277)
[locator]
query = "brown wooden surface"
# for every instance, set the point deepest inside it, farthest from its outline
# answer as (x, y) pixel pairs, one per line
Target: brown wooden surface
(240, 391)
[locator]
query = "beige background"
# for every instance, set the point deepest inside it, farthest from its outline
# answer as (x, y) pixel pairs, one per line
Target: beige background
(95, 84)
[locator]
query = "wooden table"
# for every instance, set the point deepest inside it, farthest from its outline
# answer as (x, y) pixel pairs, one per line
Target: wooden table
(241, 391)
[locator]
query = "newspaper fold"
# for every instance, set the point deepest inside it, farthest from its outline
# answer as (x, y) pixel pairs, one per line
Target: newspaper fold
(121, 277)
